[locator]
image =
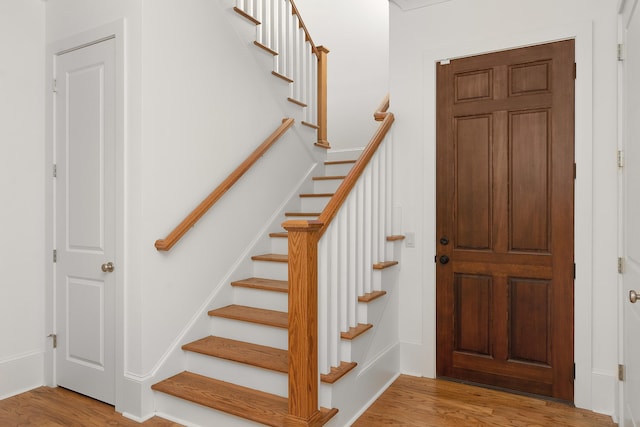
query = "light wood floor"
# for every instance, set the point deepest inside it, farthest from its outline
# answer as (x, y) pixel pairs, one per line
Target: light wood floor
(409, 401)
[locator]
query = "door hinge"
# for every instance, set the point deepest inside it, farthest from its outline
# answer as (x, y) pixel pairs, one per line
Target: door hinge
(54, 340)
(55, 255)
(620, 372)
(55, 170)
(620, 52)
(55, 86)
(575, 71)
(574, 371)
(574, 270)
(620, 265)
(575, 171)
(620, 158)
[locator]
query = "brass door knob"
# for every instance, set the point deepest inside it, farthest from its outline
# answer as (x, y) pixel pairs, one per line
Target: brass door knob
(633, 296)
(107, 267)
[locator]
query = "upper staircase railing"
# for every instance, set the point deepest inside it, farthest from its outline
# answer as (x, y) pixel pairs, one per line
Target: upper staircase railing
(281, 31)
(172, 238)
(330, 263)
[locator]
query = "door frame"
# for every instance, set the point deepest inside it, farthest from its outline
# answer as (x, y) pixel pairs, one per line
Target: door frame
(582, 32)
(114, 30)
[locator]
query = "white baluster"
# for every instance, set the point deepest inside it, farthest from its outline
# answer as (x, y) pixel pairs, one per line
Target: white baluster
(323, 306)
(372, 169)
(343, 271)
(352, 293)
(382, 208)
(368, 231)
(360, 240)
(334, 304)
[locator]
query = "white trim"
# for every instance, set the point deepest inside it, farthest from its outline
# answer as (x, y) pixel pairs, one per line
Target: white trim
(21, 373)
(114, 30)
(415, 4)
(373, 399)
(582, 32)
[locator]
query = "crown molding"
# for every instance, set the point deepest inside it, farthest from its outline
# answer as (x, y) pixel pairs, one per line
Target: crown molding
(415, 4)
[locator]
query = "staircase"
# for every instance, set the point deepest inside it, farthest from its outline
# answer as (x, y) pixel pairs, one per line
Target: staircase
(240, 374)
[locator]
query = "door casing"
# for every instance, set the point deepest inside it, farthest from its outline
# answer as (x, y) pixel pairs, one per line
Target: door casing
(582, 32)
(113, 30)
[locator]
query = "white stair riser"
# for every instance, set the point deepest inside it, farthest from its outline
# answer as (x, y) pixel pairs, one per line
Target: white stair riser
(194, 415)
(279, 245)
(238, 373)
(353, 350)
(271, 270)
(259, 298)
(250, 332)
(340, 169)
(326, 185)
(351, 154)
(313, 204)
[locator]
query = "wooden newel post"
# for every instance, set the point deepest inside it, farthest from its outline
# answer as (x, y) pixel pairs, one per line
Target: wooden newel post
(323, 141)
(303, 322)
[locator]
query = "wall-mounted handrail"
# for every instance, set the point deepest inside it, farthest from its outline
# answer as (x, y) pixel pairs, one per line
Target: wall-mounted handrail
(172, 238)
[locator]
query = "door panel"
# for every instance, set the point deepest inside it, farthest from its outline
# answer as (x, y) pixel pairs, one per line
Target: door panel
(85, 220)
(505, 206)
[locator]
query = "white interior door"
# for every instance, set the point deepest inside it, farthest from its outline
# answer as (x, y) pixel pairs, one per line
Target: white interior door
(631, 215)
(85, 220)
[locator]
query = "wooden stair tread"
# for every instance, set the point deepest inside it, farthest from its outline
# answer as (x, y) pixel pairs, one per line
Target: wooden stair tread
(261, 316)
(271, 257)
(316, 195)
(384, 264)
(395, 237)
(356, 331)
(264, 284)
(326, 178)
(271, 358)
(244, 402)
(302, 214)
(337, 372)
(246, 15)
(261, 356)
(339, 162)
(371, 296)
(279, 234)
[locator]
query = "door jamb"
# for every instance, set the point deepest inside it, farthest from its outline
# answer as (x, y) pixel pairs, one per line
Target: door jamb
(113, 30)
(582, 32)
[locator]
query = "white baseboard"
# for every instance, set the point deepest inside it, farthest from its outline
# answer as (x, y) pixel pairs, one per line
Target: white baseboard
(21, 373)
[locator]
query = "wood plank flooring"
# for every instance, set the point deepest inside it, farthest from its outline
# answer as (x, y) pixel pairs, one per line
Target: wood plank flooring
(409, 402)
(412, 401)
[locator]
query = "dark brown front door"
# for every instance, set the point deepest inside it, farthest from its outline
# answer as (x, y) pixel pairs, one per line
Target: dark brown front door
(505, 179)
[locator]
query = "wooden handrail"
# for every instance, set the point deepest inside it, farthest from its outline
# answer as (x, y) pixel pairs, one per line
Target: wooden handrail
(307, 36)
(381, 111)
(349, 182)
(173, 237)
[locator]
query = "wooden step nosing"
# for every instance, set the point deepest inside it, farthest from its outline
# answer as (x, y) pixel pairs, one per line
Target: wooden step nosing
(262, 284)
(314, 214)
(327, 178)
(246, 15)
(282, 76)
(306, 195)
(338, 162)
(384, 265)
(265, 48)
(273, 318)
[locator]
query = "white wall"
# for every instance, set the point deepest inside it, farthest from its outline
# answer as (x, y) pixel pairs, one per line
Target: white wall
(22, 193)
(356, 32)
(416, 38)
(198, 101)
